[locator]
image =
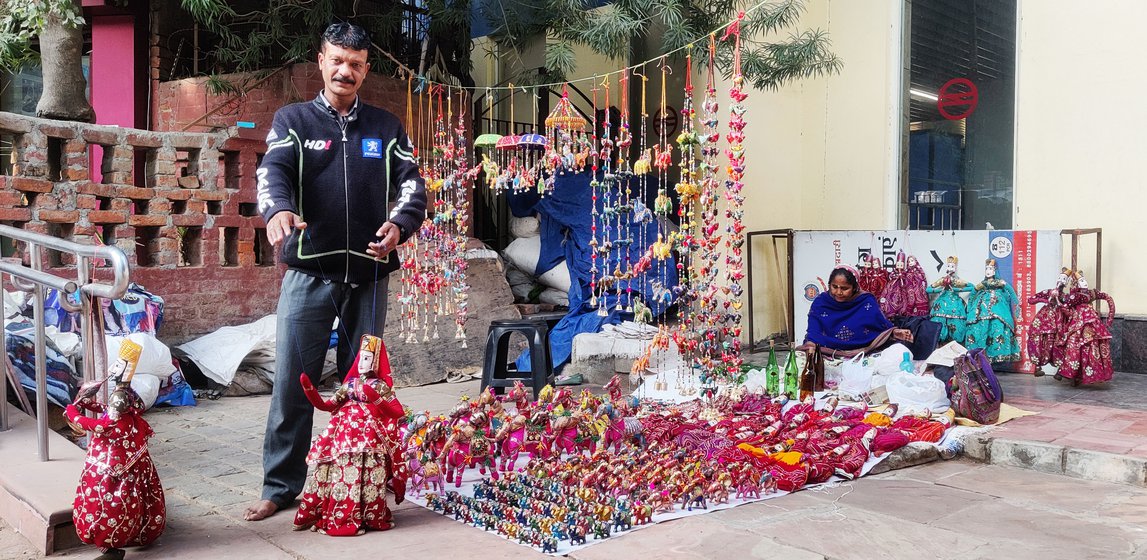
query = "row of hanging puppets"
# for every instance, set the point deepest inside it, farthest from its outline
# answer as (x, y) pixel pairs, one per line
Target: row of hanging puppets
(631, 187)
(1066, 332)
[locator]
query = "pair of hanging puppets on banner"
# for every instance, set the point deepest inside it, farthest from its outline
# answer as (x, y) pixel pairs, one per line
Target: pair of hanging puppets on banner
(119, 501)
(1069, 334)
(566, 466)
(985, 320)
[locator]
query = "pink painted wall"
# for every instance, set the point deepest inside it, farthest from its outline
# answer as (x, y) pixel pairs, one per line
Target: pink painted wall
(114, 70)
(113, 77)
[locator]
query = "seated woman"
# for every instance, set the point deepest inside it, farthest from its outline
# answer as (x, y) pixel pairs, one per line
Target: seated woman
(845, 320)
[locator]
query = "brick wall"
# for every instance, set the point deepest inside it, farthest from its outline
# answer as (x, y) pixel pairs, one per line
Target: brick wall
(180, 205)
(183, 104)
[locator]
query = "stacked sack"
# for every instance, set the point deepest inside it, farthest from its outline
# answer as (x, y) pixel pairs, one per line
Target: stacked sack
(521, 256)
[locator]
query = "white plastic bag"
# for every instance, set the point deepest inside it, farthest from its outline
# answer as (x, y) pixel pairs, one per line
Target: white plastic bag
(856, 377)
(155, 359)
(887, 361)
(833, 371)
(147, 387)
(916, 393)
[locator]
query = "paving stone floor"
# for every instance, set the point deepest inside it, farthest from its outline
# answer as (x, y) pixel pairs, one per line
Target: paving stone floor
(209, 460)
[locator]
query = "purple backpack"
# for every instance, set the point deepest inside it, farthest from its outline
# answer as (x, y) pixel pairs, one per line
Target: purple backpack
(976, 393)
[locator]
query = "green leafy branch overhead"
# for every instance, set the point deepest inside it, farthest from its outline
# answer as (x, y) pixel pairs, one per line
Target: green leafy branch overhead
(772, 52)
(21, 21)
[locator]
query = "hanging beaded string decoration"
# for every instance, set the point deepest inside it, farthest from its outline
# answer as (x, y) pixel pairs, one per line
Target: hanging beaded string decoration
(734, 214)
(433, 262)
(461, 190)
(684, 239)
(595, 287)
(662, 207)
(708, 304)
(608, 187)
(625, 193)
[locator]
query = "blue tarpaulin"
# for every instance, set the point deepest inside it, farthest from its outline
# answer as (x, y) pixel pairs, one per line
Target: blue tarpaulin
(565, 217)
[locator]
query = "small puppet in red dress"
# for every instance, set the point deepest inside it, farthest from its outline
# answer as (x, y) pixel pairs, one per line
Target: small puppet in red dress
(119, 501)
(359, 453)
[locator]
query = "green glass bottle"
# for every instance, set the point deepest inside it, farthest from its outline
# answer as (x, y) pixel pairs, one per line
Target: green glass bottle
(772, 373)
(792, 375)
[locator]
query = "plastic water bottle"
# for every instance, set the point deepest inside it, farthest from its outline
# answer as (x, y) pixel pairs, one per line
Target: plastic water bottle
(906, 364)
(951, 449)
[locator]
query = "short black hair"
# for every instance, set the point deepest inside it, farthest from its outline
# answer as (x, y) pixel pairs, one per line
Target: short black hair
(346, 35)
(848, 277)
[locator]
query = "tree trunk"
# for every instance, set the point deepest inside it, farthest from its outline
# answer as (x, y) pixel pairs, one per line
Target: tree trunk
(65, 89)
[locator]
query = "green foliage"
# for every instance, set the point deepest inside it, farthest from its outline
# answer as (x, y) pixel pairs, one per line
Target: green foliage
(768, 61)
(287, 31)
(217, 85)
(23, 20)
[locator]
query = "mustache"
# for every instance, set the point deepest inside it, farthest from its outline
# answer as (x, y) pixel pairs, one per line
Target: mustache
(343, 80)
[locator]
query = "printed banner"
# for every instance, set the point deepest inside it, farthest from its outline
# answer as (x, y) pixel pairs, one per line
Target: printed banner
(1028, 260)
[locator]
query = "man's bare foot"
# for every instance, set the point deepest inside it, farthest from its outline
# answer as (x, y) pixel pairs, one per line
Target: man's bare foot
(261, 510)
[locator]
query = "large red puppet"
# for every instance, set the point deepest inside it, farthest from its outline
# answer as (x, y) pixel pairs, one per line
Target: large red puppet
(358, 454)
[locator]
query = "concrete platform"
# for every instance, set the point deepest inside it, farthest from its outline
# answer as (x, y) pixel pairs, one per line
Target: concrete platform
(1090, 432)
(36, 496)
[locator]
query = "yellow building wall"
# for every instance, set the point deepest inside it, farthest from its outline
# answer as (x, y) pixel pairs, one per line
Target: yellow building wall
(494, 67)
(824, 153)
(1079, 139)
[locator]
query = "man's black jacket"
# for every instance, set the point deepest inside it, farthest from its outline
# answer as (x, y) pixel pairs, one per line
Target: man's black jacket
(342, 175)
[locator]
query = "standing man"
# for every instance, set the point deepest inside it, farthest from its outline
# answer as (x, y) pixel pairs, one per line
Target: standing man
(339, 189)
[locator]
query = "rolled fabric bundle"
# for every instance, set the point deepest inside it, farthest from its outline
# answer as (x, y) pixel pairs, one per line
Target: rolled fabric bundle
(888, 441)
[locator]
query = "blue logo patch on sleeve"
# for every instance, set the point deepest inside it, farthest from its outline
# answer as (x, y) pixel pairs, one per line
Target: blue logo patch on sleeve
(372, 148)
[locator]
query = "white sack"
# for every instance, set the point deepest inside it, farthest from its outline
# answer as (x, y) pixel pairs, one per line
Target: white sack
(554, 296)
(523, 253)
(525, 227)
(147, 387)
(557, 277)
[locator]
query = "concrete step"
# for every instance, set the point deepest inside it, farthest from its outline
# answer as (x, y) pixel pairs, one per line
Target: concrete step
(36, 496)
(1053, 458)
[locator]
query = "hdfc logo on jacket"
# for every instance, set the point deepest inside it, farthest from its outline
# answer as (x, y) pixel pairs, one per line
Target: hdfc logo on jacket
(317, 144)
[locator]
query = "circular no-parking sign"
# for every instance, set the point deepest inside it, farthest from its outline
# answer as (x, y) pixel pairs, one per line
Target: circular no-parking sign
(958, 99)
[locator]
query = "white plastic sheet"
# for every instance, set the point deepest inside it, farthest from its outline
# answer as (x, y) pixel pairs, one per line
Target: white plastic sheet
(219, 354)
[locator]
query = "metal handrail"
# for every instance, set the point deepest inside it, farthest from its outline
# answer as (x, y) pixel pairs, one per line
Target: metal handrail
(31, 277)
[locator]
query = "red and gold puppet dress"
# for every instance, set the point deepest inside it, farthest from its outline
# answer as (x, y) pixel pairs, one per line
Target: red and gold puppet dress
(872, 278)
(1046, 334)
(1087, 346)
(358, 454)
(119, 501)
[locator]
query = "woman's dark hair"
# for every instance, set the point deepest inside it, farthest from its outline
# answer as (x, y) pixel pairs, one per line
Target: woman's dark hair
(848, 277)
(347, 36)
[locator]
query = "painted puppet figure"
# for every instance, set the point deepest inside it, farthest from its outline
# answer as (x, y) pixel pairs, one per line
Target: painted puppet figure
(358, 454)
(120, 499)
